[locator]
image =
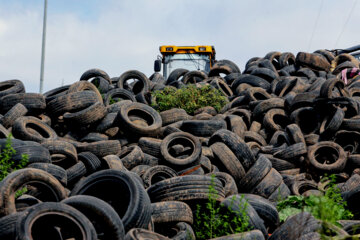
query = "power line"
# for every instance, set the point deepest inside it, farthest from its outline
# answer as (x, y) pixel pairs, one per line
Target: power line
(315, 25)
(346, 22)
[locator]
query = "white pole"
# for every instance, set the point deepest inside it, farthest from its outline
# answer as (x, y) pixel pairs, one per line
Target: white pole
(43, 49)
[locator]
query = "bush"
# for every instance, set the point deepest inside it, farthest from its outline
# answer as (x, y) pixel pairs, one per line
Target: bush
(7, 165)
(190, 98)
(211, 222)
(330, 207)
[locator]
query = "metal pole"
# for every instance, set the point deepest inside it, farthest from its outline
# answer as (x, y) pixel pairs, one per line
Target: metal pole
(43, 49)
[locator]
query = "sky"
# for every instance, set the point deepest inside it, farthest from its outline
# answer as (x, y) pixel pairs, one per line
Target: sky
(121, 35)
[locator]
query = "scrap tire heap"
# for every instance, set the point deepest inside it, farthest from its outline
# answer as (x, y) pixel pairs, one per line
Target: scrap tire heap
(103, 164)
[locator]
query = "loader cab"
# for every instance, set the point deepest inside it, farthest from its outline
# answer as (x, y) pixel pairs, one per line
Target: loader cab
(188, 57)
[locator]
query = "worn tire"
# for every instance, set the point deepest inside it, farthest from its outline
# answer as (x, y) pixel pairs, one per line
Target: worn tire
(134, 210)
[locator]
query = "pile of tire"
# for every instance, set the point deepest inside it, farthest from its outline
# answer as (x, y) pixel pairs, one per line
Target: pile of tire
(104, 164)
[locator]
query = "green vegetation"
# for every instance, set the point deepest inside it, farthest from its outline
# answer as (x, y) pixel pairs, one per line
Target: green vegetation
(190, 98)
(330, 207)
(7, 165)
(213, 222)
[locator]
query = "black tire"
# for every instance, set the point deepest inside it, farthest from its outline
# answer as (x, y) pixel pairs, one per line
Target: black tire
(313, 61)
(237, 146)
(265, 209)
(150, 146)
(184, 188)
(89, 115)
(139, 234)
(203, 128)
(221, 85)
(250, 235)
(188, 159)
(94, 137)
(331, 123)
(41, 222)
(173, 115)
(66, 150)
(8, 226)
(157, 78)
(146, 113)
(34, 102)
(106, 221)
(58, 172)
(275, 119)
(264, 106)
(236, 203)
(11, 86)
(31, 128)
(4, 133)
(13, 114)
(307, 118)
(255, 174)
(280, 194)
(56, 92)
(95, 72)
(296, 226)
(91, 162)
(228, 181)
(156, 174)
(144, 85)
(265, 73)
(333, 88)
(118, 94)
(286, 59)
(102, 84)
(133, 206)
(75, 172)
(226, 160)
(252, 80)
(109, 121)
(183, 232)
(171, 212)
(132, 156)
(35, 152)
(101, 148)
(114, 162)
(48, 188)
(236, 125)
(268, 184)
(327, 157)
(294, 133)
(292, 153)
(71, 102)
(175, 75)
(81, 86)
(194, 77)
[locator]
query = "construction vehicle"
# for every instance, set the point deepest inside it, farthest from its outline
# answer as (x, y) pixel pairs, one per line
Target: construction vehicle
(188, 57)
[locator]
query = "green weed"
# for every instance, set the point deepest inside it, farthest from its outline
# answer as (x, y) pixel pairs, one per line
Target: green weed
(190, 98)
(213, 222)
(7, 165)
(330, 207)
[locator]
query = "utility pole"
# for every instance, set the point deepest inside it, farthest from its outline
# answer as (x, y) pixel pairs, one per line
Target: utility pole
(43, 48)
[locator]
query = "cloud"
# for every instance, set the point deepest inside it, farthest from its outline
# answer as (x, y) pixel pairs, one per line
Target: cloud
(120, 35)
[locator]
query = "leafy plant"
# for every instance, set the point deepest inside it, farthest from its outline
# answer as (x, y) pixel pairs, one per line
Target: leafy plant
(330, 207)
(189, 98)
(213, 222)
(7, 165)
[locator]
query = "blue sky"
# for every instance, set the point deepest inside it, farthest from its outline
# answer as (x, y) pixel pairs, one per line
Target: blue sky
(117, 36)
